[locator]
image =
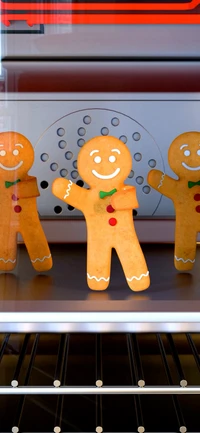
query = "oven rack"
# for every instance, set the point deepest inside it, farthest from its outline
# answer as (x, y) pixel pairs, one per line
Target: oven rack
(97, 355)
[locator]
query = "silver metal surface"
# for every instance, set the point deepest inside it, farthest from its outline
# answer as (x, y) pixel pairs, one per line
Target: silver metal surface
(89, 390)
(103, 327)
(92, 40)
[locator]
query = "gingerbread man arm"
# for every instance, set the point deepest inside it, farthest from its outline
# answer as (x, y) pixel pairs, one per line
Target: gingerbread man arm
(69, 192)
(162, 183)
(27, 188)
(125, 199)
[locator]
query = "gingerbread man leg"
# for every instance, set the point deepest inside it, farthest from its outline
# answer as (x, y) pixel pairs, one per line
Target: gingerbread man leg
(8, 248)
(133, 263)
(37, 246)
(185, 246)
(98, 264)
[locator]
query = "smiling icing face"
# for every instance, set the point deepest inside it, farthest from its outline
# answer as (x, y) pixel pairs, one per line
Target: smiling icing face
(104, 162)
(16, 155)
(184, 156)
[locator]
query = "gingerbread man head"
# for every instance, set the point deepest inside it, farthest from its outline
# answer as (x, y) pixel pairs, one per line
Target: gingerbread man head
(104, 162)
(16, 156)
(184, 156)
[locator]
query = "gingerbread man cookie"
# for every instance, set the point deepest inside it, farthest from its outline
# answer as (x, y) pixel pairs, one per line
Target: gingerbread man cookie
(104, 163)
(18, 194)
(184, 160)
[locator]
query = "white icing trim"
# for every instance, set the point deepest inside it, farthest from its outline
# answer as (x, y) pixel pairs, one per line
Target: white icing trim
(161, 180)
(93, 151)
(9, 260)
(179, 259)
(108, 176)
(116, 150)
(19, 144)
(190, 168)
(41, 260)
(138, 278)
(68, 189)
(97, 279)
(11, 168)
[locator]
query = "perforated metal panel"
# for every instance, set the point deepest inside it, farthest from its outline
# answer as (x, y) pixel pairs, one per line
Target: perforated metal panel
(57, 150)
(59, 124)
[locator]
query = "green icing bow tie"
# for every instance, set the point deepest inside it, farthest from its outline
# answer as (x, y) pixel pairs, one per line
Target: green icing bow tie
(8, 184)
(191, 184)
(103, 194)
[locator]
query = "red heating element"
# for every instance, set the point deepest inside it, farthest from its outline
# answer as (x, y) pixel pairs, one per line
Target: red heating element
(100, 12)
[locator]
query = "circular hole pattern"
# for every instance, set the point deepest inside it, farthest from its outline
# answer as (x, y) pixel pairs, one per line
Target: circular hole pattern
(134, 212)
(44, 184)
(44, 157)
(87, 120)
(81, 132)
(70, 207)
(136, 136)
(57, 209)
(54, 166)
(146, 189)
(62, 144)
(152, 163)
(68, 155)
(139, 180)
(60, 132)
(74, 174)
(63, 172)
(115, 121)
(81, 142)
(104, 131)
(124, 139)
(75, 164)
(131, 174)
(138, 157)
(80, 183)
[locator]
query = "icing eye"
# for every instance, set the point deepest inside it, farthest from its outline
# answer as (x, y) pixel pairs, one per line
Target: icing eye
(97, 159)
(187, 152)
(15, 152)
(112, 158)
(198, 152)
(2, 152)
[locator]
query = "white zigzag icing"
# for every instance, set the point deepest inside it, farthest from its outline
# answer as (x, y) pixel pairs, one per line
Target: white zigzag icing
(68, 189)
(41, 260)
(161, 180)
(179, 259)
(9, 260)
(138, 278)
(97, 279)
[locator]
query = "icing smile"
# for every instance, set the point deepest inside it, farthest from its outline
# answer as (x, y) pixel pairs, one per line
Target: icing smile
(11, 168)
(190, 168)
(108, 176)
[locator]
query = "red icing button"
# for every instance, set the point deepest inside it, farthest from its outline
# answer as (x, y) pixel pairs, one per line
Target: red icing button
(197, 197)
(17, 209)
(14, 198)
(110, 209)
(198, 209)
(113, 221)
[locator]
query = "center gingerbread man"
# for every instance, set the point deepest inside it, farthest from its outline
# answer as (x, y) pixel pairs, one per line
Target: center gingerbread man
(104, 163)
